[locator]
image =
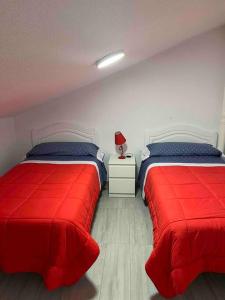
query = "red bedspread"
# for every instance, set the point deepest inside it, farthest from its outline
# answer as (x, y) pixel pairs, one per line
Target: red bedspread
(46, 212)
(187, 205)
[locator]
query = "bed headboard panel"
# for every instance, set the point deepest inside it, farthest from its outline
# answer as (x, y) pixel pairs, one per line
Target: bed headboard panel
(181, 133)
(63, 132)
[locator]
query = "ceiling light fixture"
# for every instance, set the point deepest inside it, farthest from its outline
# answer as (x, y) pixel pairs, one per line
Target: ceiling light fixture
(109, 59)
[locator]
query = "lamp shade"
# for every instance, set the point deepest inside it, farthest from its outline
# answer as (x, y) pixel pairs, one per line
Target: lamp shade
(119, 138)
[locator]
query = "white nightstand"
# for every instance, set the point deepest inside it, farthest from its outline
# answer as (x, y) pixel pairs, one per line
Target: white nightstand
(122, 176)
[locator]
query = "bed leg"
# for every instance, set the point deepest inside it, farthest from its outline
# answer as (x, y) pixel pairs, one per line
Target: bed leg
(145, 202)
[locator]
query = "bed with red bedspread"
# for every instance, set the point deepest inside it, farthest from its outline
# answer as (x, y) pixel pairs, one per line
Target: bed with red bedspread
(46, 211)
(187, 206)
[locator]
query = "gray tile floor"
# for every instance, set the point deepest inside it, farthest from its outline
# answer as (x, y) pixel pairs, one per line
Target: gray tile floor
(123, 229)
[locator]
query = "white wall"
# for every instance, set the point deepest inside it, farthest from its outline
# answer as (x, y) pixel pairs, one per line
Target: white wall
(184, 84)
(7, 144)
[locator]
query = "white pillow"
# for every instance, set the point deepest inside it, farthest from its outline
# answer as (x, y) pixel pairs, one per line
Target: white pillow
(145, 153)
(100, 155)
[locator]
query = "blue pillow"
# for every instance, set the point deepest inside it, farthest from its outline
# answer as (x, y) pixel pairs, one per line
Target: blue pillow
(182, 149)
(64, 148)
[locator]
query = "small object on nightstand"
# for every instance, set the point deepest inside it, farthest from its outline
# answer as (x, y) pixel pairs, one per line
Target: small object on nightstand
(122, 176)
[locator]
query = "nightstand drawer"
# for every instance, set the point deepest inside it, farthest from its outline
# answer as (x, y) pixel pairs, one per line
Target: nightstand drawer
(122, 171)
(121, 186)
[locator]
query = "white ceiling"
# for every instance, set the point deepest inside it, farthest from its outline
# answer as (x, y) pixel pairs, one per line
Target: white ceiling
(48, 48)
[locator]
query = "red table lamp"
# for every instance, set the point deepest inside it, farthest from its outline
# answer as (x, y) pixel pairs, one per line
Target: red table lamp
(119, 141)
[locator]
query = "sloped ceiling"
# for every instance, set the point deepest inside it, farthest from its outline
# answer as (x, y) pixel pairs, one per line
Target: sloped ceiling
(48, 48)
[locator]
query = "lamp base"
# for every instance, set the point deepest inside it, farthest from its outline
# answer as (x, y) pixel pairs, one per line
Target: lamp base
(122, 157)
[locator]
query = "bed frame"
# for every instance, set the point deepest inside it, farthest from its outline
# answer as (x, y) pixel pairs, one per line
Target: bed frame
(63, 132)
(181, 133)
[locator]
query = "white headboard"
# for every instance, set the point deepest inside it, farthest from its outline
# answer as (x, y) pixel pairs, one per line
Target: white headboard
(181, 133)
(63, 132)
